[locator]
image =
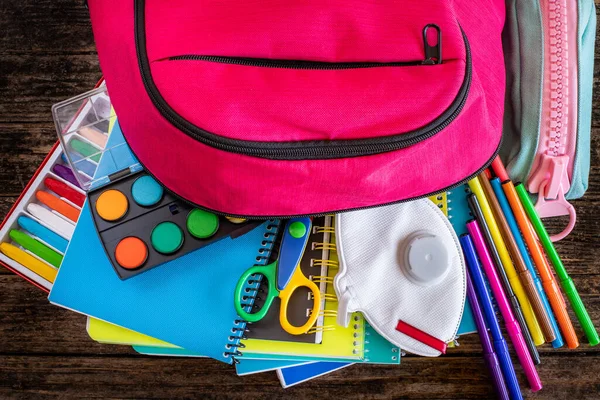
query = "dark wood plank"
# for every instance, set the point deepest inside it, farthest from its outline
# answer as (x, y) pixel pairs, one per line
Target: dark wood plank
(158, 378)
(47, 54)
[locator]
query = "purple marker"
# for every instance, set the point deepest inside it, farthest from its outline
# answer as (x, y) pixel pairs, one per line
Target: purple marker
(489, 355)
(66, 173)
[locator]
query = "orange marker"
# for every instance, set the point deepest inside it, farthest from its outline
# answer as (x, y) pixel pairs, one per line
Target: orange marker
(58, 205)
(548, 281)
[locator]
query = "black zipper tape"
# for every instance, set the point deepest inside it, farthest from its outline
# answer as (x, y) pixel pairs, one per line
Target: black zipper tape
(298, 150)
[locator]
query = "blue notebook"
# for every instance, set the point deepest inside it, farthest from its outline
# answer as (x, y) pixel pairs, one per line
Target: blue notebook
(459, 214)
(187, 301)
(291, 376)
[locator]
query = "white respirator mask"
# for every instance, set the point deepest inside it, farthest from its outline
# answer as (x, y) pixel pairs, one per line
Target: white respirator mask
(402, 266)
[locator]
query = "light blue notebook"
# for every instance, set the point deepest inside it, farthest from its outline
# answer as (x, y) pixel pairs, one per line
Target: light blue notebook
(459, 214)
(187, 301)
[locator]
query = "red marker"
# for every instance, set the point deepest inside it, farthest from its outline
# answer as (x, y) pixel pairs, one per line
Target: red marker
(65, 191)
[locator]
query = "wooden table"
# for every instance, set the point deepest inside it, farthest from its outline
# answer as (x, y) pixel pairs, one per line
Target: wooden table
(47, 54)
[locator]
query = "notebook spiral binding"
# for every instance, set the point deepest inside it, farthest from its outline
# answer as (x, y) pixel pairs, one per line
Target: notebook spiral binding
(241, 327)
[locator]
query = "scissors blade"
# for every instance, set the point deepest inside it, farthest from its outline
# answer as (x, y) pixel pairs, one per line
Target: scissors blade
(293, 244)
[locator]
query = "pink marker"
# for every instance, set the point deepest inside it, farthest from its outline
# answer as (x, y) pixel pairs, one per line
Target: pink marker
(512, 327)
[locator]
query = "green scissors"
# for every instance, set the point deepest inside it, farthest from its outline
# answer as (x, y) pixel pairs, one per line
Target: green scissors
(284, 276)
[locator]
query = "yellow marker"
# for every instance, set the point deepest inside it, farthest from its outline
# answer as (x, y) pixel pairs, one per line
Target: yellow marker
(28, 261)
(509, 268)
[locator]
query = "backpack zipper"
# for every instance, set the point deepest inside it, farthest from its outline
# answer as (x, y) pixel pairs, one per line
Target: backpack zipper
(302, 150)
(433, 56)
(294, 64)
(555, 153)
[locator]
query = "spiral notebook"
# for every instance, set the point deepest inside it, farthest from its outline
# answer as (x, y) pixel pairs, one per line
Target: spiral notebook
(186, 302)
(459, 214)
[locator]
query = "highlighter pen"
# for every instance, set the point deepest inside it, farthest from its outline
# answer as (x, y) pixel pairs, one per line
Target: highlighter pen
(512, 223)
(564, 278)
(478, 281)
(43, 234)
(512, 327)
(506, 264)
(489, 355)
(476, 210)
(548, 280)
(28, 261)
(36, 247)
(523, 272)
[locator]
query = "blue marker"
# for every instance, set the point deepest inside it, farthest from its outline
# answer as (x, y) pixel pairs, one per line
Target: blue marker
(512, 223)
(492, 322)
(43, 233)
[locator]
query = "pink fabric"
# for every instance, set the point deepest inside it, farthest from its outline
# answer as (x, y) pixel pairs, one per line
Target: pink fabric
(243, 185)
(266, 104)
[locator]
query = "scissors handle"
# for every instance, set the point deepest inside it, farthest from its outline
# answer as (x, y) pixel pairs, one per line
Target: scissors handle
(267, 271)
(299, 280)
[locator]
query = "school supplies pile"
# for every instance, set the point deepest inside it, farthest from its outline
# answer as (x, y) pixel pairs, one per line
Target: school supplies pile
(103, 222)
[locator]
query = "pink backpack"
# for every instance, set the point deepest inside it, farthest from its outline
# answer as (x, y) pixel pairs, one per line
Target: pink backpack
(294, 107)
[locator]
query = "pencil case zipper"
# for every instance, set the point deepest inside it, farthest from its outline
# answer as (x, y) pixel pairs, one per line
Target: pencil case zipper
(553, 164)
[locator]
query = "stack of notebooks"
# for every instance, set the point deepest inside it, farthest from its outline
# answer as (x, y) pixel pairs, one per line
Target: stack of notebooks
(185, 307)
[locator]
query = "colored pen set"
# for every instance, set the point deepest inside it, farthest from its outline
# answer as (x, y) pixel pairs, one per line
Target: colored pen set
(502, 249)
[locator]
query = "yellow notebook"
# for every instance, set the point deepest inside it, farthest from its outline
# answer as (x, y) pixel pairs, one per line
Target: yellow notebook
(337, 341)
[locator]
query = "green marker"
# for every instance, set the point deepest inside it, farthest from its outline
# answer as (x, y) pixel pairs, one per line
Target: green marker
(565, 281)
(36, 247)
(86, 150)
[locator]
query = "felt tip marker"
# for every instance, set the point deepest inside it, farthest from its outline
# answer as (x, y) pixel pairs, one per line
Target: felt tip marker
(43, 234)
(489, 355)
(28, 261)
(548, 280)
(506, 263)
(512, 223)
(508, 291)
(564, 278)
(512, 327)
(58, 224)
(475, 274)
(522, 271)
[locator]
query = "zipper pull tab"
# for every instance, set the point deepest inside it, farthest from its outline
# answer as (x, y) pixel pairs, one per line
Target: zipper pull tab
(433, 52)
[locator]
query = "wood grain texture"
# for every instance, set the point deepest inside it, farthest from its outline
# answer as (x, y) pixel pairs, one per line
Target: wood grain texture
(47, 54)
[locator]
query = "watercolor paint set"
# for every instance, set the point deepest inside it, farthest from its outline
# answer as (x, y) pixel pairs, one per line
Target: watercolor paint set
(142, 226)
